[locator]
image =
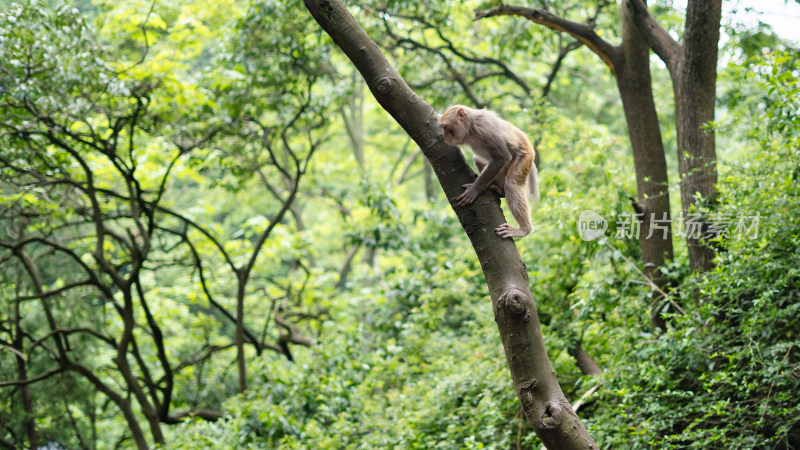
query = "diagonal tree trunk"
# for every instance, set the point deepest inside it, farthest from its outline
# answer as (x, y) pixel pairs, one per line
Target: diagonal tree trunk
(545, 406)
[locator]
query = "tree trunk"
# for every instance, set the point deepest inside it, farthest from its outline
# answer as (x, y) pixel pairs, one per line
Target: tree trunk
(693, 68)
(427, 173)
(545, 406)
(635, 89)
(353, 117)
(694, 84)
(123, 403)
(585, 363)
(347, 266)
(24, 390)
(241, 362)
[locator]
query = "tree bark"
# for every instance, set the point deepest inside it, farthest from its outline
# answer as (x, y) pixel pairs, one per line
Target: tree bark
(123, 403)
(693, 68)
(241, 364)
(694, 84)
(585, 363)
(353, 116)
(635, 89)
(427, 174)
(22, 374)
(545, 406)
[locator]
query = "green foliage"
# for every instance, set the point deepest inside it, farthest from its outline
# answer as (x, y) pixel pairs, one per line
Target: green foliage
(725, 374)
(384, 352)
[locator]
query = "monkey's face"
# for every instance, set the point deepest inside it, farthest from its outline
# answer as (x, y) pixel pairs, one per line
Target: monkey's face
(454, 132)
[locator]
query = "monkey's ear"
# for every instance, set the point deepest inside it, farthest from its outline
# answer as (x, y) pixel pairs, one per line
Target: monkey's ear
(461, 114)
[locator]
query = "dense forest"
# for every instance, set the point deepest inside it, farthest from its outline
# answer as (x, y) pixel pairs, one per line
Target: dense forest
(232, 224)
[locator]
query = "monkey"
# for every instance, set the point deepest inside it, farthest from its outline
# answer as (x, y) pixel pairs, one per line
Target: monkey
(504, 158)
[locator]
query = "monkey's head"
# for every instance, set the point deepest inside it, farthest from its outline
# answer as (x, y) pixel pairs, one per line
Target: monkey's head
(454, 124)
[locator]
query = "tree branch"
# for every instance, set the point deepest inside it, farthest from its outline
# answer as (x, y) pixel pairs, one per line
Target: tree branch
(123, 403)
(295, 336)
(58, 291)
(562, 54)
(31, 380)
(198, 263)
(581, 31)
(206, 414)
(657, 37)
(456, 75)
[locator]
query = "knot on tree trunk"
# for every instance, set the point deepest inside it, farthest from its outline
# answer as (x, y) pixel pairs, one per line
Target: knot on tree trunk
(525, 393)
(384, 85)
(551, 418)
(526, 384)
(516, 303)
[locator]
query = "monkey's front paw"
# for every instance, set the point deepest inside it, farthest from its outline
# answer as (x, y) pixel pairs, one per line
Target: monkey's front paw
(468, 196)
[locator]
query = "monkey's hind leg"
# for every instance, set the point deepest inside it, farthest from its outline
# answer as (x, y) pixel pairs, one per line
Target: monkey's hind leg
(517, 198)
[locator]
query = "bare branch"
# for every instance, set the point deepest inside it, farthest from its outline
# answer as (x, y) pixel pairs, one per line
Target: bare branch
(14, 246)
(206, 414)
(143, 27)
(198, 263)
(41, 377)
(58, 291)
(294, 335)
(658, 38)
(562, 53)
(210, 350)
(456, 75)
(68, 331)
(581, 31)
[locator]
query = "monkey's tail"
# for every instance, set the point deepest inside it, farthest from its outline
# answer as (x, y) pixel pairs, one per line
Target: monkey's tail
(533, 183)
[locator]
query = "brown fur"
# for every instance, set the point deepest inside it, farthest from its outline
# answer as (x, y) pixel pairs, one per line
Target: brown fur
(504, 159)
